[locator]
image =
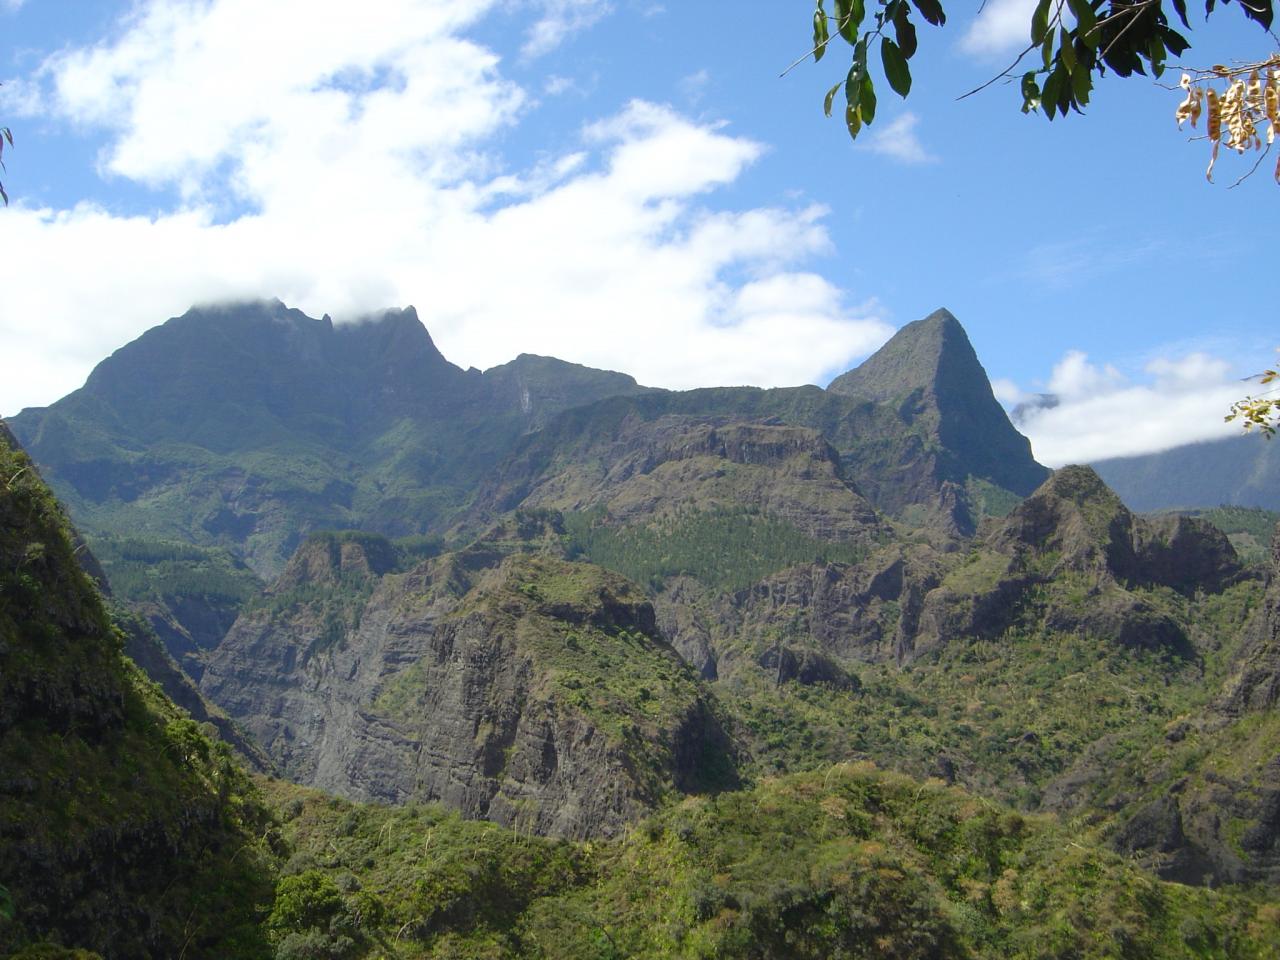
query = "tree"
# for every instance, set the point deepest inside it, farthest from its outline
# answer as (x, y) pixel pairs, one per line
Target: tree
(1262, 412)
(1070, 42)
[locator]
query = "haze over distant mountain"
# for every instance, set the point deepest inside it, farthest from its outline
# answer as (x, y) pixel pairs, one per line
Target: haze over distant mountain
(248, 425)
(1240, 471)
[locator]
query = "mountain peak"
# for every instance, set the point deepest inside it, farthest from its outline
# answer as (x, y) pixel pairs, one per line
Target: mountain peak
(919, 356)
(929, 372)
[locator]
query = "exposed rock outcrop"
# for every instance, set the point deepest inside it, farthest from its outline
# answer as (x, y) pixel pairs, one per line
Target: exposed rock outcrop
(525, 690)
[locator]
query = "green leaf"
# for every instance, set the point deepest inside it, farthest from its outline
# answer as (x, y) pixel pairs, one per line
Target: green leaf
(867, 104)
(1049, 93)
(1066, 52)
(1081, 84)
(852, 122)
(853, 87)
(905, 30)
(1046, 50)
(1040, 22)
(932, 11)
(896, 70)
(1086, 20)
(829, 99)
(849, 14)
(820, 34)
(1030, 92)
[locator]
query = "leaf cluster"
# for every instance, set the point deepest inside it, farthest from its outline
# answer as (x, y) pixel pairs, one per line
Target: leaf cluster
(896, 31)
(1074, 41)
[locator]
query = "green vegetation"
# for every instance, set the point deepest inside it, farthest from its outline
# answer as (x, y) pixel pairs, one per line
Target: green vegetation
(332, 576)
(167, 571)
(724, 549)
(123, 827)
(1250, 529)
(846, 862)
(1003, 714)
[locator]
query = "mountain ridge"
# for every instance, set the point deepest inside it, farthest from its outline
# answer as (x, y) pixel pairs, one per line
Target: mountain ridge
(245, 426)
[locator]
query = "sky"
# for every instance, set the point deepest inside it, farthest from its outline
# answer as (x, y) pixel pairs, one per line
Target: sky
(629, 184)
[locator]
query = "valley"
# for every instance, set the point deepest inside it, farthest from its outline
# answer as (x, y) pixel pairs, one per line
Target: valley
(367, 655)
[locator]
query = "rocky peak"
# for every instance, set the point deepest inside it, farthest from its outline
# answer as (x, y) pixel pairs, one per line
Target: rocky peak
(926, 355)
(1074, 516)
(930, 374)
(325, 559)
(1074, 521)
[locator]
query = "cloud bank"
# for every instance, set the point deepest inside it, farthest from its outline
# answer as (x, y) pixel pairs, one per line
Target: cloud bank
(358, 165)
(1099, 413)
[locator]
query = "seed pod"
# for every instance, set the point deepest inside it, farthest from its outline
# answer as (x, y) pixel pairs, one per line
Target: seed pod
(1215, 117)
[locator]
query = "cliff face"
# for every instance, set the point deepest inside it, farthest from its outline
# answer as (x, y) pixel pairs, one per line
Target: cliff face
(651, 471)
(526, 690)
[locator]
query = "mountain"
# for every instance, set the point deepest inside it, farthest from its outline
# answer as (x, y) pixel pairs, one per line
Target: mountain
(929, 373)
(541, 691)
(247, 425)
(530, 691)
(1239, 471)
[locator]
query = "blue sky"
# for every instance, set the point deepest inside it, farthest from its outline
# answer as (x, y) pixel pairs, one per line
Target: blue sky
(628, 184)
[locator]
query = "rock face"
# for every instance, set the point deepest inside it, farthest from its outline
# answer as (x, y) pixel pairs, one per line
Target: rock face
(653, 470)
(1074, 537)
(929, 374)
(526, 690)
(1255, 686)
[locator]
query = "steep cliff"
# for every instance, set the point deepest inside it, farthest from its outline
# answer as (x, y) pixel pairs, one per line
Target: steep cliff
(523, 689)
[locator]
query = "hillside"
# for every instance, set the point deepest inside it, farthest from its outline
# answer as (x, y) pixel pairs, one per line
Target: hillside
(1239, 471)
(123, 828)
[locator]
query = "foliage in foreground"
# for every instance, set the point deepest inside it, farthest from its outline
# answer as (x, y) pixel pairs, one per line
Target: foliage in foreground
(123, 827)
(846, 862)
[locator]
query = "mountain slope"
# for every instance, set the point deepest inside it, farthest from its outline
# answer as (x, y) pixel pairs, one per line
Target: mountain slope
(530, 691)
(123, 829)
(930, 374)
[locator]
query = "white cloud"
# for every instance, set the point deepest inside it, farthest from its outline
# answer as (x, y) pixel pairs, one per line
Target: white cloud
(1102, 414)
(1003, 26)
(899, 140)
(362, 159)
(556, 85)
(1074, 377)
(11, 5)
(694, 86)
(1008, 392)
(559, 19)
